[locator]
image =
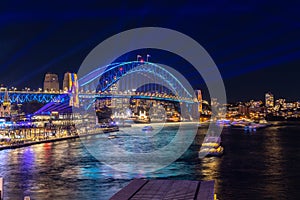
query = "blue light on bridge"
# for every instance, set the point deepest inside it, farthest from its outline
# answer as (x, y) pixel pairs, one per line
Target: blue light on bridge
(25, 97)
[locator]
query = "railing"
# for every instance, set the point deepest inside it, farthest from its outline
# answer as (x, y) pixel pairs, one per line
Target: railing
(1, 188)
(46, 97)
(2, 191)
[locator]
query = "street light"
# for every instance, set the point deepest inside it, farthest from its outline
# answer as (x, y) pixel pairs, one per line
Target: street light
(137, 57)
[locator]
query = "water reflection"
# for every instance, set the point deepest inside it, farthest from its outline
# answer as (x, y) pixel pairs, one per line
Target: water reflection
(258, 166)
(210, 168)
(133, 151)
(273, 154)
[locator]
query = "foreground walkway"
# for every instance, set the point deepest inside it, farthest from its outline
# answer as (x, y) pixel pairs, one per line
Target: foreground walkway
(140, 189)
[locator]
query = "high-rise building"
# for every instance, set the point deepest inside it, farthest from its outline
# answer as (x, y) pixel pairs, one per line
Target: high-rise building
(269, 100)
(51, 82)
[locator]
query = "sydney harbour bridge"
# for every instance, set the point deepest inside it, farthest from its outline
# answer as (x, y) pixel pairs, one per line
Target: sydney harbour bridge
(129, 80)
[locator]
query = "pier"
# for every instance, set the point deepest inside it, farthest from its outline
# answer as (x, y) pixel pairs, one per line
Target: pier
(32, 133)
(140, 189)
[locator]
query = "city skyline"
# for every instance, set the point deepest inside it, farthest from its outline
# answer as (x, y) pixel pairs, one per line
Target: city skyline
(61, 82)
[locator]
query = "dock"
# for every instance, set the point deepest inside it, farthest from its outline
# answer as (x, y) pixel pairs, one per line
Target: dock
(55, 139)
(141, 189)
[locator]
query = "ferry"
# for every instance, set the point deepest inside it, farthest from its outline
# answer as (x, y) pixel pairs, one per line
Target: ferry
(141, 120)
(223, 123)
(109, 127)
(211, 146)
(240, 123)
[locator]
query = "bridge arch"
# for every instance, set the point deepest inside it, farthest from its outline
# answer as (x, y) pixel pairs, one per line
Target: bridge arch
(103, 78)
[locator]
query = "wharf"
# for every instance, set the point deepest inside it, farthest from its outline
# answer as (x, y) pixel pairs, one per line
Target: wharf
(28, 143)
(140, 189)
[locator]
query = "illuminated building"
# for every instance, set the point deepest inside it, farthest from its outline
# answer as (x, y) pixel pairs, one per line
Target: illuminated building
(255, 104)
(5, 108)
(51, 82)
(290, 105)
(269, 100)
(66, 82)
(280, 104)
(199, 98)
(232, 110)
(70, 85)
(243, 110)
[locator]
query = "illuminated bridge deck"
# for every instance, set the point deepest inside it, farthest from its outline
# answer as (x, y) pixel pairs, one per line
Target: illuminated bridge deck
(46, 97)
(140, 189)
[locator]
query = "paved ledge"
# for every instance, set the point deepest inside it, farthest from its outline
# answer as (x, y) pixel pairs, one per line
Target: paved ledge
(140, 189)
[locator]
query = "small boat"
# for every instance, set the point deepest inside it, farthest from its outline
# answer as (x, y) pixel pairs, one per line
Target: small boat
(112, 137)
(147, 128)
(211, 146)
(212, 152)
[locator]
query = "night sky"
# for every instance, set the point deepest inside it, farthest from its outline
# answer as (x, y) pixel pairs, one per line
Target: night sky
(255, 45)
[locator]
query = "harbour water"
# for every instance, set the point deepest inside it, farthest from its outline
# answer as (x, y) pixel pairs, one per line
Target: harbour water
(259, 165)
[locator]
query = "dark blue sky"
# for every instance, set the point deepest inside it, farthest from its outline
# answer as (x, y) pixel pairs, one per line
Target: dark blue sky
(255, 44)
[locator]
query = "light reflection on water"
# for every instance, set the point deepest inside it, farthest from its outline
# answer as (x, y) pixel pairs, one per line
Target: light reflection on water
(137, 152)
(261, 165)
